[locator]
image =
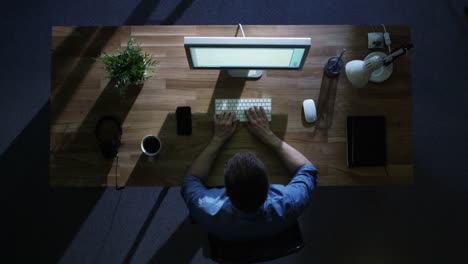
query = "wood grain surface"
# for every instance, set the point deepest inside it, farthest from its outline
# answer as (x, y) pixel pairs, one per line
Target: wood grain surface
(80, 94)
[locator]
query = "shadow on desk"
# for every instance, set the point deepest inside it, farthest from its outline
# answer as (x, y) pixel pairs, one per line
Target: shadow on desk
(325, 108)
(226, 87)
(76, 159)
(178, 152)
(326, 101)
(79, 49)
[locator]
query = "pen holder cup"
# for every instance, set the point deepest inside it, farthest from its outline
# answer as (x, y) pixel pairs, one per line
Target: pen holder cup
(333, 66)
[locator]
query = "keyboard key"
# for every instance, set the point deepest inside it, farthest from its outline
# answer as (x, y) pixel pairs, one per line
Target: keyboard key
(239, 106)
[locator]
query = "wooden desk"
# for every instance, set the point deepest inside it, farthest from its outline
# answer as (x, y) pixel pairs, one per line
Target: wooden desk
(80, 95)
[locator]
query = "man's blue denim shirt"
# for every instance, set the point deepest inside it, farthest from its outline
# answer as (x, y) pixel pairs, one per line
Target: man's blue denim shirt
(213, 210)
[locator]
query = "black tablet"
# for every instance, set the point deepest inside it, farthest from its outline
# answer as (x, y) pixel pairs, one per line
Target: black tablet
(366, 141)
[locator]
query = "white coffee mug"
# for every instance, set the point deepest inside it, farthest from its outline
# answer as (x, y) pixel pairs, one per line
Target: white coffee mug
(151, 145)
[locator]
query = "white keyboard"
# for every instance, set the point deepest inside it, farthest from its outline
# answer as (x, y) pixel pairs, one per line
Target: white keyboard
(238, 106)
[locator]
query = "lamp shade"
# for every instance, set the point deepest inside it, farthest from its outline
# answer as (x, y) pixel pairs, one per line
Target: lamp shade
(357, 74)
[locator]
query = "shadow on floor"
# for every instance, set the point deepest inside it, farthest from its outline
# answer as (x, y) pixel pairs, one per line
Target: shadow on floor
(183, 245)
(178, 11)
(146, 224)
(68, 208)
(24, 164)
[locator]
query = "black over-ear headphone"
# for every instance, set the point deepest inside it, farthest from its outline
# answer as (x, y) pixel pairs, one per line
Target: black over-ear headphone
(109, 148)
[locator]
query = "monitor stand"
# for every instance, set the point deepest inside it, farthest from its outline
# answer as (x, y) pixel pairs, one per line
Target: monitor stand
(248, 74)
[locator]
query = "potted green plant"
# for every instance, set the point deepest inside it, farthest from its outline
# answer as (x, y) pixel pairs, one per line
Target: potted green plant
(130, 66)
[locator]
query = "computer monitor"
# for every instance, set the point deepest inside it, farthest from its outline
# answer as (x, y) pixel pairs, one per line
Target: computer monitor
(244, 57)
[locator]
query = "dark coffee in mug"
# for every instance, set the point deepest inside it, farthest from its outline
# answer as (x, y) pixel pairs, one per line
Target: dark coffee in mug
(151, 145)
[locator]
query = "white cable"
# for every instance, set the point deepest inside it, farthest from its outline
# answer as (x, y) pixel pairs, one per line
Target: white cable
(388, 42)
(242, 30)
(384, 28)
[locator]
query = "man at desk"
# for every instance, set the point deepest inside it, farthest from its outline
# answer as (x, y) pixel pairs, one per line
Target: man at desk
(248, 207)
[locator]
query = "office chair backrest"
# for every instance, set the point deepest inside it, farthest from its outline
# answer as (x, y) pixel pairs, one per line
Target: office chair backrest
(280, 245)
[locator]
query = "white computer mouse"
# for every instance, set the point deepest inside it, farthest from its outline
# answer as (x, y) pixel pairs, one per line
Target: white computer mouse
(310, 113)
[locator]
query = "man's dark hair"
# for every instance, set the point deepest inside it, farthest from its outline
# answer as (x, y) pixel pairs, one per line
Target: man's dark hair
(246, 181)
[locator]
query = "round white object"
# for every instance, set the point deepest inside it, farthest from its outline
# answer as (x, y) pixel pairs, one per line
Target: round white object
(145, 151)
(382, 73)
(356, 73)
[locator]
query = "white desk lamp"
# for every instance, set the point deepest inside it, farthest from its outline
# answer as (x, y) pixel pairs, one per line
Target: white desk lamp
(376, 67)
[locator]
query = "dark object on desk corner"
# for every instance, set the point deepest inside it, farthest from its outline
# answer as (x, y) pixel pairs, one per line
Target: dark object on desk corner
(283, 244)
(108, 132)
(366, 141)
(184, 120)
(466, 11)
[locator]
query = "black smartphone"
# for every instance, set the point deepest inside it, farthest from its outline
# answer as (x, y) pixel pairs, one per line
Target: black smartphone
(184, 120)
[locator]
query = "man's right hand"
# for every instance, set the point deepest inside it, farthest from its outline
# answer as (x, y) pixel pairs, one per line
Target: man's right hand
(259, 126)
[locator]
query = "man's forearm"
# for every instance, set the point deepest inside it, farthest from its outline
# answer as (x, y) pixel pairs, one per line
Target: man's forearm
(201, 166)
(290, 156)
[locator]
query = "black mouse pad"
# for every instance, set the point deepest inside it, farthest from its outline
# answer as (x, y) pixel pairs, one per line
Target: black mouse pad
(366, 141)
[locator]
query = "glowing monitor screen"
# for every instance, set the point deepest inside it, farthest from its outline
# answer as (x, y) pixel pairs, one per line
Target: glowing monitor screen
(246, 53)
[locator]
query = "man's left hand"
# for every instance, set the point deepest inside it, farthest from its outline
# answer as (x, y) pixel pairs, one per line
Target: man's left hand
(224, 126)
